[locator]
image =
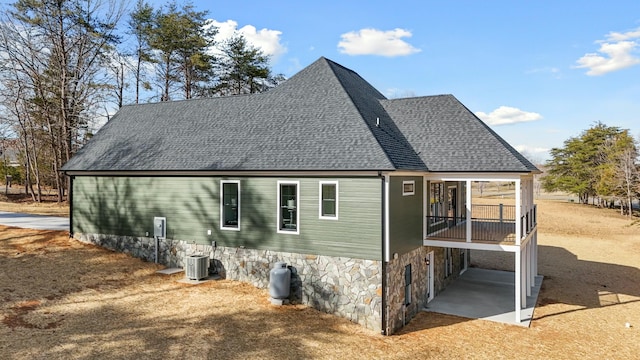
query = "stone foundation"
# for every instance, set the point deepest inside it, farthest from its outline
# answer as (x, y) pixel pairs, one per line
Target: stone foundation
(397, 313)
(350, 288)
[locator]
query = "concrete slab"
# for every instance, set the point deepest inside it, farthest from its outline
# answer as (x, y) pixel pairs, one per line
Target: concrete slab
(201, 281)
(170, 271)
(30, 221)
(485, 294)
(279, 302)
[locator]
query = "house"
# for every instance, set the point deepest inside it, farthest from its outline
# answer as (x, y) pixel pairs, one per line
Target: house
(368, 200)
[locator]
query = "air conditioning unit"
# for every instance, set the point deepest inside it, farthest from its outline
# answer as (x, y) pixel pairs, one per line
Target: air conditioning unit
(197, 267)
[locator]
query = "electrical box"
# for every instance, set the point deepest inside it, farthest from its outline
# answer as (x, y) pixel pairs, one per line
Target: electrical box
(160, 227)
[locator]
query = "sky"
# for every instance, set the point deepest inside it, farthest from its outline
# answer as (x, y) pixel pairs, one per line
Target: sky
(537, 72)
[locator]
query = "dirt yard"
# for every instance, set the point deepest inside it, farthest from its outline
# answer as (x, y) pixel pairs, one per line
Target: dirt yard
(17, 201)
(63, 299)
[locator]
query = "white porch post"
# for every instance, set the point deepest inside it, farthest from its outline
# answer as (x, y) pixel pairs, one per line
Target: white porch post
(523, 281)
(532, 251)
(518, 213)
(468, 210)
(528, 276)
(518, 279)
(535, 253)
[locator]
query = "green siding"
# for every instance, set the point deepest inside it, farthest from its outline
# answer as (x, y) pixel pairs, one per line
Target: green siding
(127, 205)
(405, 216)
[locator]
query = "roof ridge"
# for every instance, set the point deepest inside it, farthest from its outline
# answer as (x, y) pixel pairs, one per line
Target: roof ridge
(330, 63)
(419, 97)
(396, 135)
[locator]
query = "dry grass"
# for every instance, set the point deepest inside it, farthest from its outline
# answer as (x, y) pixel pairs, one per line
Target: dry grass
(63, 299)
(22, 203)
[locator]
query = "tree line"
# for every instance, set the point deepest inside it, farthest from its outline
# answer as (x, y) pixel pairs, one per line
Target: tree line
(67, 64)
(601, 165)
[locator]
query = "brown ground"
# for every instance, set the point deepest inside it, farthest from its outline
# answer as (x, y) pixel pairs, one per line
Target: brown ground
(16, 201)
(63, 299)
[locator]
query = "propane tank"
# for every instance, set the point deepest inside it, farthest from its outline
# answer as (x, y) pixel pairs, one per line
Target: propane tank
(279, 281)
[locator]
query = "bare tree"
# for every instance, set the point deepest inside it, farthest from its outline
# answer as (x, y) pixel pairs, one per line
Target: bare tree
(627, 177)
(56, 52)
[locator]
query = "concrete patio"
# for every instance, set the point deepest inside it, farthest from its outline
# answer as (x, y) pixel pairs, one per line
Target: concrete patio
(485, 294)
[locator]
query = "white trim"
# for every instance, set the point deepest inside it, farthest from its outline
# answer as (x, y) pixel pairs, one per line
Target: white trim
(518, 286)
(468, 204)
(413, 187)
(465, 260)
(327, 217)
(471, 245)
(474, 176)
(222, 227)
(403, 173)
(279, 207)
(518, 193)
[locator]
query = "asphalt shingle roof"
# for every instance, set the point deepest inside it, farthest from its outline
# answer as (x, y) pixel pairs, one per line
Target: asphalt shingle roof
(450, 138)
(326, 117)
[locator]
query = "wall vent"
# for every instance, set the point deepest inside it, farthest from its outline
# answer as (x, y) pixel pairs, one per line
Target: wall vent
(197, 267)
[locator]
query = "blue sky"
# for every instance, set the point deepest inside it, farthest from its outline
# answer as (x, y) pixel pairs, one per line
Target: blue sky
(538, 72)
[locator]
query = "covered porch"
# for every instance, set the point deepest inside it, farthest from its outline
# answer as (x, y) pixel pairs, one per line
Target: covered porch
(485, 294)
(457, 217)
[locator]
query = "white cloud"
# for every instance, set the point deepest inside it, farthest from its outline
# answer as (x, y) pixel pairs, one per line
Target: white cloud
(531, 149)
(377, 42)
(629, 35)
(395, 93)
(535, 154)
(265, 39)
(615, 53)
(507, 115)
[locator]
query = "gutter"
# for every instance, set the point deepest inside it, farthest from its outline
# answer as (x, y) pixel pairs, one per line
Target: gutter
(383, 311)
(70, 199)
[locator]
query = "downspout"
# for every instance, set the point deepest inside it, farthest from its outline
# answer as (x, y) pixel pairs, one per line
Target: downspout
(384, 257)
(70, 199)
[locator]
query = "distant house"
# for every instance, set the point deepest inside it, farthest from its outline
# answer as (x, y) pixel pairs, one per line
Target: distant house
(367, 199)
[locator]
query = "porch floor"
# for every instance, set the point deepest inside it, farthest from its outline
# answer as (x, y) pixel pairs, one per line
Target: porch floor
(485, 294)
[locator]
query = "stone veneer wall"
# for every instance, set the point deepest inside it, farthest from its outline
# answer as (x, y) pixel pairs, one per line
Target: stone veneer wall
(398, 314)
(351, 288)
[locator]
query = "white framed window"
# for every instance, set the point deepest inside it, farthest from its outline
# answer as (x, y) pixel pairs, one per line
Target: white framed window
(230, 205)
(328, 204)
(288, 207)
(408, 187)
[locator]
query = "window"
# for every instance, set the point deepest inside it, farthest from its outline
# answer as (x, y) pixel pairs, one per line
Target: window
(436, 193)
(407, 284)
(408, 188)
(288, 204)
(328, 206)
(230, 204)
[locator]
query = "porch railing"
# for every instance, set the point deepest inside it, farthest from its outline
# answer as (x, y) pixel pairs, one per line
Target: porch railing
(489, 223)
